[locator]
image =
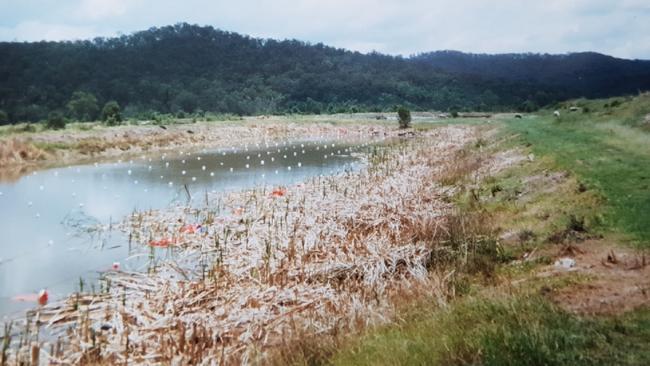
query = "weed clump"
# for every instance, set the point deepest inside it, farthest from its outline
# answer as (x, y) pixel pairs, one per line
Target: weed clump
(404, 117)
(55, 121)
(469, 244)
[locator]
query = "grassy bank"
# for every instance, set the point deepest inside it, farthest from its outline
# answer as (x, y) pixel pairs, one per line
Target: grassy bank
(585, 179)
(607, 145)
(509, 330)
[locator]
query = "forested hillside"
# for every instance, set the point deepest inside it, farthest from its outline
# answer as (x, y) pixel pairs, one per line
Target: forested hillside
(185, 69)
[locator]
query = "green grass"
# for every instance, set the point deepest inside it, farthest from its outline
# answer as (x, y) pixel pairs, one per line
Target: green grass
(608, 150)
(515, 330)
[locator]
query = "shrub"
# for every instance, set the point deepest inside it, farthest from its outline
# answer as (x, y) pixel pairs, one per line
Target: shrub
(528, 106)
(111, 113)
(55, 121)
(4, 117)
(404, 117)
(83, 106)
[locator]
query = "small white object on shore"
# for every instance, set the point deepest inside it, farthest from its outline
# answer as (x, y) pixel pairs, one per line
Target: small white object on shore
(565, 263)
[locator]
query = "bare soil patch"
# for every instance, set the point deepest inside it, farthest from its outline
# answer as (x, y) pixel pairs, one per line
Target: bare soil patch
(621, 279)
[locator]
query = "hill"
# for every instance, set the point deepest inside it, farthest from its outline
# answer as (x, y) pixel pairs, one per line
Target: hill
(186, 68)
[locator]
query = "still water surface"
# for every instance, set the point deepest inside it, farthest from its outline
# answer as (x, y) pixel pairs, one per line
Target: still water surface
(42, 241)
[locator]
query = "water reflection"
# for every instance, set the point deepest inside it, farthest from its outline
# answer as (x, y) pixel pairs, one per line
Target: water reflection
(45, 216)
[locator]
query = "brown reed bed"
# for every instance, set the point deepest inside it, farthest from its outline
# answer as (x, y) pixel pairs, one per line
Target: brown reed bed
(273, 266)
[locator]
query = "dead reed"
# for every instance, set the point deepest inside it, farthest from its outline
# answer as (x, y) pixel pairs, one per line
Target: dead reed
(255, 271)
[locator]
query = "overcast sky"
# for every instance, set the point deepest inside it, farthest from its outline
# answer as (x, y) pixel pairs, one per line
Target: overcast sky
(615, 27)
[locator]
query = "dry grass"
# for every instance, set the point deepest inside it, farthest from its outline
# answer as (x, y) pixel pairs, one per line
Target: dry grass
(16, 151)
(285, 274)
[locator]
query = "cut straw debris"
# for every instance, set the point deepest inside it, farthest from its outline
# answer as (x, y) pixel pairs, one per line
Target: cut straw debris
(328, 255)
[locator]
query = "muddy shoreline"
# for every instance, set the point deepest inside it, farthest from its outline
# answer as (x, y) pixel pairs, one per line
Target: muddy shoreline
(25, 153)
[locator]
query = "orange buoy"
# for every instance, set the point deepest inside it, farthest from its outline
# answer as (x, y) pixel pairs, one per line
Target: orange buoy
(162, 243)
(190, 229)
(43, 297)
(278, 192)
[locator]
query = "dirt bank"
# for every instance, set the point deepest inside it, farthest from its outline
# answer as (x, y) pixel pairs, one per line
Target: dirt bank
(23, 153)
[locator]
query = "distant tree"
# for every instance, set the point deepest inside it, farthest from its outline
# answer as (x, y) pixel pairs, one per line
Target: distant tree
(111, 113)
(267, 76)
(55, 121)
(404, 117)
(83, 106)
(4, 117)
(528, 106)
(185, 101)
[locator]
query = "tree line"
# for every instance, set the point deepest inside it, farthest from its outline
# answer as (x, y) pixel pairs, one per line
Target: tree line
(188, 69)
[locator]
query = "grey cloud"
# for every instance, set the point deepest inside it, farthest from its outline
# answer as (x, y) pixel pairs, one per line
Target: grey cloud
(403, 27)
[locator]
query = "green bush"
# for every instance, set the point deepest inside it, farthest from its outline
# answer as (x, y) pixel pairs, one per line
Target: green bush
(4, 117)
(111, 113)
(404, 117)
(83, 106)
(55, 121)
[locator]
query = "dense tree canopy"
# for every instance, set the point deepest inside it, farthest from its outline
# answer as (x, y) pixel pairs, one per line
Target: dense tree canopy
(83, 106)
(191, 69)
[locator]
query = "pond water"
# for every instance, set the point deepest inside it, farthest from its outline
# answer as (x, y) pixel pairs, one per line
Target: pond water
(42, 215)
